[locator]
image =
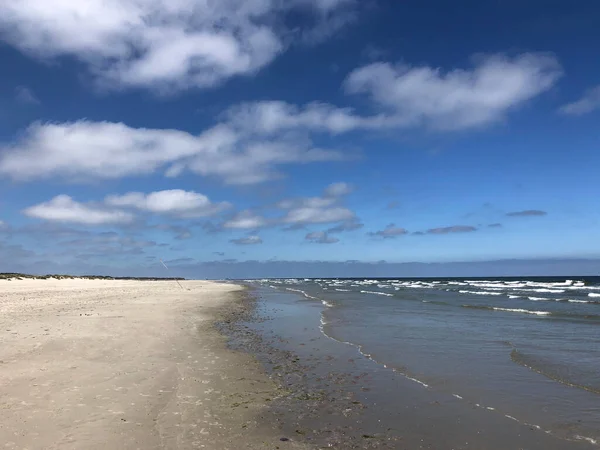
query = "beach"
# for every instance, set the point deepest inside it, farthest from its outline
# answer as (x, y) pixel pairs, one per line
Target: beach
(105, 364)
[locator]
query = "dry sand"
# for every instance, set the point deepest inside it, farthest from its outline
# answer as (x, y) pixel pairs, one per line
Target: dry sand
(89, 364)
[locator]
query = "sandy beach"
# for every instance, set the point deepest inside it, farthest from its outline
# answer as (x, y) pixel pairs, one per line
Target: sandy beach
(90, 364)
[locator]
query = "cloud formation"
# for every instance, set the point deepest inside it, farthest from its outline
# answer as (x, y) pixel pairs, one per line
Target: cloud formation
(590, 101)
(164, 44)
(527, 213)
(453, 229)
(64, 209)
(249, 240)
(246, 220)
(175, 202)
(459, 98)
(389, 232)
(321, 237)
(83, 150)
(404, 96)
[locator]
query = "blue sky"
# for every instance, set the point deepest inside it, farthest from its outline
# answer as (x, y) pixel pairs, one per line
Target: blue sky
(226, 138)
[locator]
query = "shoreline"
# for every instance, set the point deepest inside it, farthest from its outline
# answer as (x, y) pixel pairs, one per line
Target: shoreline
(342, 398)
(129, 364)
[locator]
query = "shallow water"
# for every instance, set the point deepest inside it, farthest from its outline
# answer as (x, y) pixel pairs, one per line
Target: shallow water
(525, 351)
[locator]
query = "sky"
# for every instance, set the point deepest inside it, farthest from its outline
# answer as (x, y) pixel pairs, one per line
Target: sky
(258, 138)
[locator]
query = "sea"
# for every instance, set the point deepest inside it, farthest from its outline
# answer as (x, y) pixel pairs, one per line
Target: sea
(475, 363)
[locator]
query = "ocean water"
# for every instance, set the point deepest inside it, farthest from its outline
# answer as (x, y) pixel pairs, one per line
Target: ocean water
(518, 350)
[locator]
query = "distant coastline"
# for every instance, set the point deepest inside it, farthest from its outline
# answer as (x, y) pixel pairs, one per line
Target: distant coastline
(20, 276)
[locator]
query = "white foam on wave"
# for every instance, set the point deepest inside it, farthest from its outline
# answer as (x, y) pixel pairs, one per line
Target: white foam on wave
(377, 293)
(550, 291)
(343, 290)
(514, 296)
(480, 293)
(584, 438)
(457, 396)
(539, 299)
(303, 293)
(525, 311)
(578, 301)
(417, 381)
(592, 294)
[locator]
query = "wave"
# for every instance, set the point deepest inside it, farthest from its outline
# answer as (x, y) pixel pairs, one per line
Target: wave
(526, 311)
(591, 294)
(480, 293)
(558, 374)
(517, 310)
(550, 291)
(377, 293)
(553, 314)
(343, 290)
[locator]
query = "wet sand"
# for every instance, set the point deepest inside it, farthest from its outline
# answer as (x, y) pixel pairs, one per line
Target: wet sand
(128, 365)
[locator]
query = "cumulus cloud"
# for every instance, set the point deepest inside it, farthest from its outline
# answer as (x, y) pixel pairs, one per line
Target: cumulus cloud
(269, 117)
(83, 150)
(389, 232)
(249, 240)
(527, 213)
(325, 209)
(313, 213)
(164, 44)
(453, 229)
(246, 220)
(63, 208)
(460, 98)
(590, 101)
(321, 237)
(298, 212)
(404, 96)
(175, 202)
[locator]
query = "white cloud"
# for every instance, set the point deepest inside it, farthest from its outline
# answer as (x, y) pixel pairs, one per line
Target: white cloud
(309, 214)
(246, 220)
(176, 202)
(80, 151)
(321, 237)
(63, 208)
(300, 211)
(406, 96)
(586, 104)
(458, 99)
(325, 209)
(309, 210)
(269, 117)
(164, 44)
(250, 240)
